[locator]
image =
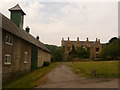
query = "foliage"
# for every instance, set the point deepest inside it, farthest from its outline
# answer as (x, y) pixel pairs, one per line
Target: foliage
(82, 53)
(57, 55)
(57, 52)
(104, 69)
(73, 53)
(45, 63)
(111, 50)
(79, 53)
(51, 47)
(113, 39)
(31, 79)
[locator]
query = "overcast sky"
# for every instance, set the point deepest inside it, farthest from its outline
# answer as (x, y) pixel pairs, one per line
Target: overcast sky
(53, 21)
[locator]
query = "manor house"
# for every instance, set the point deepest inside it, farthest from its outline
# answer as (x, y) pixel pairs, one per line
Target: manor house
(93, 46)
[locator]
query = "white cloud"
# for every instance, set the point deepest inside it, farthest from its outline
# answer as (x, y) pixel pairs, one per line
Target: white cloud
(52, 21)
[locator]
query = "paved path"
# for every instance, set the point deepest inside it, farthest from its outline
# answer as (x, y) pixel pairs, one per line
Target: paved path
(63, 77)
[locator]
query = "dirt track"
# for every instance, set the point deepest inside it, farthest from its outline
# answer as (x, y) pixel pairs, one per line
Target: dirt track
(63, 77)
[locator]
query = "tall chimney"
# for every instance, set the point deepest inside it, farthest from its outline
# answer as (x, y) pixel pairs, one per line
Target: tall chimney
(37, 37)
(62, 39)
(87, 39)
(96, 39)
(68, 38)
(27, 29)
(77, 38)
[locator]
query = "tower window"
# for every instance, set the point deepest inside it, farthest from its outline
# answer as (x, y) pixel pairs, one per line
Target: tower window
(7, 59)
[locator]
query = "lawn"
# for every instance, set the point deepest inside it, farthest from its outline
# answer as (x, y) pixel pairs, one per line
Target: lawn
(32, 79)
(104, 69)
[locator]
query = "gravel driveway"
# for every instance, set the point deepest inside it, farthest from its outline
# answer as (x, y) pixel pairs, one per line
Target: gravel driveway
(63, 77)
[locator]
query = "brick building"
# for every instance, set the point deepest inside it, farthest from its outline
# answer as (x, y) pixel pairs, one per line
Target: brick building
(21, 52)
(93, 46)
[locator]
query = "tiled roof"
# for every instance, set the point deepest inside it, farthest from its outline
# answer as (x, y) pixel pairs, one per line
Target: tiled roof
(9, 26)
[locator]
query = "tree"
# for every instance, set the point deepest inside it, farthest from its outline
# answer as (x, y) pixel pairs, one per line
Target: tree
(72, 53)
(51, 47)
(57, 55)
(83, 53)
(57, 52)
(111, 50)
(113, 39)
(79, 53)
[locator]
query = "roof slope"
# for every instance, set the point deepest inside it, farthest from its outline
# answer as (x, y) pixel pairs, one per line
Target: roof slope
(16, 8)
(9, 26)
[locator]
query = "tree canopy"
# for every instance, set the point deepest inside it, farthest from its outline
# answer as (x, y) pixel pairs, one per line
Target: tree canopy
(111, 50)
(79, 53)
(57, 52)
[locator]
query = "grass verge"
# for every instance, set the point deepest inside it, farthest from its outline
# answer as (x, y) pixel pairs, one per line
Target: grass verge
(104, 69)
(32, 79)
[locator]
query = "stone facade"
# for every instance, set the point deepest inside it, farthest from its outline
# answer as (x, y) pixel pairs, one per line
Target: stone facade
(94, 47)
(43, 56)
(21, 52)
(16, 51)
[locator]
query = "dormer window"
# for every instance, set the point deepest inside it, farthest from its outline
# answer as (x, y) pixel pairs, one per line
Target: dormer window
(9, 39)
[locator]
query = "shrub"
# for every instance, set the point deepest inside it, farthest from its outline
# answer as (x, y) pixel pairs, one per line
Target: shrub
(79, 53)
(57, 55)
(45, 63)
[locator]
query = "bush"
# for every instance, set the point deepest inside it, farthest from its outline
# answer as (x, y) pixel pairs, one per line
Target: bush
(79, 53)
(45, 63)
(57, 55)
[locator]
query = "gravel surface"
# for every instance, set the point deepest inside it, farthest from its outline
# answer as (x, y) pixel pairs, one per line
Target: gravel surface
(63, 77)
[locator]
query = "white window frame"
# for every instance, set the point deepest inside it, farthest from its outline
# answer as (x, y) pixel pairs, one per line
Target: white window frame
(26, 57)
(10, 39)
(8, 61)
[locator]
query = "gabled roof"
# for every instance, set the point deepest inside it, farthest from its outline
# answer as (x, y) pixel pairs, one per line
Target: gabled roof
(9, 26)
(16, 8)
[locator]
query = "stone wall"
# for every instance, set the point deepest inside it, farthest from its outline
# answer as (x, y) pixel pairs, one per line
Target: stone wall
(43, 56)
(16, 51)
(96, 45)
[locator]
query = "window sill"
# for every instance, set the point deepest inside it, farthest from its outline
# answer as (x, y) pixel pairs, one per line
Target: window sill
(25, 62)
(7, 63)
(9, 43)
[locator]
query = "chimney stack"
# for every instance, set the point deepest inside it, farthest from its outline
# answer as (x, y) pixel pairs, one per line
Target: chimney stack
(77, 38)
(68, 38)
(27, 29)
(96, 39)
(87, 39)
(37, 37)
(62, 39)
